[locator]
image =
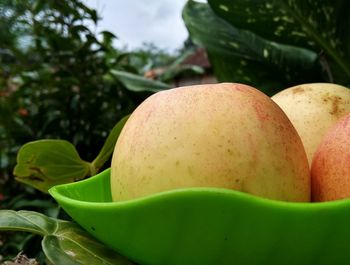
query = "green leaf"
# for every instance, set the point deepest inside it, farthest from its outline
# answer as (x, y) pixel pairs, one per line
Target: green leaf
(109, 144)
(45, 163)
(76, 245)
(63, 242)
(56, 255)
(242, 56)
(138, 83)
(26, 221)
(107, 36)
(322, 26)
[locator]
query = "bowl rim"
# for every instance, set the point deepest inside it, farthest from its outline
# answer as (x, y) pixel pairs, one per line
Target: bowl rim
(55, 192)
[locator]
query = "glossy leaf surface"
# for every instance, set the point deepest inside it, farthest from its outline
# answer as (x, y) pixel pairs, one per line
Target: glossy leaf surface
(63, 242)
(241, 56)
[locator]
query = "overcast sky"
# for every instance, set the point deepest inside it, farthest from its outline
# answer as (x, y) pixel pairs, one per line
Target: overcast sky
(138, 21)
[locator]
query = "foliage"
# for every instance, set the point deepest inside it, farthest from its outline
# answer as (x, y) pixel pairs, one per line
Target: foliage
(59, 80)
(273, 44)
(45, 163)
(63, 242)
(149, 57)
(61, 85)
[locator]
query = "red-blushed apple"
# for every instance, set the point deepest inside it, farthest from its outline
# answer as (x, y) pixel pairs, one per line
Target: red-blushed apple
(312, 109)
(330, 170)
(219, 135)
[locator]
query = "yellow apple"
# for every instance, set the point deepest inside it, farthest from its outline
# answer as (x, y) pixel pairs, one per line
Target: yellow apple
(312, 109)
(224, 135)
(330, 171)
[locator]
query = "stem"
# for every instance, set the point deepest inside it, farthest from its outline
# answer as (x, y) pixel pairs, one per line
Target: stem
(93, 170)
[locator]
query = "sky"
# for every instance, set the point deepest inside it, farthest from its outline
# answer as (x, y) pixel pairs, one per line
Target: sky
(135, 22)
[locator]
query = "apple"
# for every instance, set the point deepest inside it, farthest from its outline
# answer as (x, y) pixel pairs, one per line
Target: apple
(312, 109)
(330, 170)
(217, 135)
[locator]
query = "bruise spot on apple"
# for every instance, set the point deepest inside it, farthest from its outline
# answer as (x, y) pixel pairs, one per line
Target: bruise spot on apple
(336, 104)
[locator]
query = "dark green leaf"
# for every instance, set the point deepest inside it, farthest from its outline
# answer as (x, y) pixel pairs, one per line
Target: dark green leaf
(94, 16)
(138, 83)
(72, 245)
(109, 144)
(244, 57)
(63, 242)
(322, 26)
(26, 221)
(107, 34)
(45, 163)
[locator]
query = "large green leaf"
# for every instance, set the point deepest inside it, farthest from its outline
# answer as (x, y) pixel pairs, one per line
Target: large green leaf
(26, 221)
(138, 83)
(109, 144)
(242, 56)
(45, 163)
(63, 242)
(319, 25)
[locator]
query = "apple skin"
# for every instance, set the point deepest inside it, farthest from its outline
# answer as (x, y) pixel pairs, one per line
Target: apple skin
(219, 135)
(312, 109)
(330, 170)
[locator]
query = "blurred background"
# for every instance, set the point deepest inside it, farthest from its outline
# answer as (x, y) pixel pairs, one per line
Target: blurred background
(72, 69)
(148, 22)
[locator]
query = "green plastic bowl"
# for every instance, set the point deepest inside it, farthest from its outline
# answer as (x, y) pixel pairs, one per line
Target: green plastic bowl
(210, 226)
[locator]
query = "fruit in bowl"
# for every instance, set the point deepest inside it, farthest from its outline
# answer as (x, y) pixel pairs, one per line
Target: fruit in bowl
(224, 135)
(330, 171)
(312, 109)
(198, 126)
